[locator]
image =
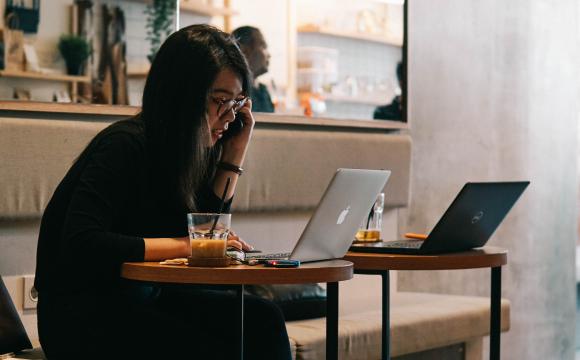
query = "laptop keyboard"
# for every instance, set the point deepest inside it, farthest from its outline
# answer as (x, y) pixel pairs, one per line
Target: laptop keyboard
(275, 256)
(406, 244)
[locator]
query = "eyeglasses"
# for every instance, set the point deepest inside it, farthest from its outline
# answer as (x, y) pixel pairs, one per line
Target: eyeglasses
(225, 106)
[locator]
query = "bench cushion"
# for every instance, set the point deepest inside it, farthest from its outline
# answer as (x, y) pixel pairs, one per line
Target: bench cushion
(285, 169)
(289, 169)
(419, 322)
(36, 154)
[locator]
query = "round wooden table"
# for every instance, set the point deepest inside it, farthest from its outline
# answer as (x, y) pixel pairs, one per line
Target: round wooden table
(486, 257)
(331, 272)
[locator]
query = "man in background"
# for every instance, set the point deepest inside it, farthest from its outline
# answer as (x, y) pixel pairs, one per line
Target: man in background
(255, 49)
(394, 110)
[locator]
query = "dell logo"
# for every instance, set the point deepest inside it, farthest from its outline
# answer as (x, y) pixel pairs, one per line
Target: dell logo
(342, 215)
(477, 217)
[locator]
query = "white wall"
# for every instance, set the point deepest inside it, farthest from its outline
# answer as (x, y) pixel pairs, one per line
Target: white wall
(494, 96)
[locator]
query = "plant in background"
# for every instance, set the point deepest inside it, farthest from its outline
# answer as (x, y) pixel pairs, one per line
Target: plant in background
(75, 50)
(159, 23)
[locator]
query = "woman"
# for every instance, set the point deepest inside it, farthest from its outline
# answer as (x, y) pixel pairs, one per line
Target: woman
(126, 199)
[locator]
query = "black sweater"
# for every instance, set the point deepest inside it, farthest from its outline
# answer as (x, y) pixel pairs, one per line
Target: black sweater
(101, 211)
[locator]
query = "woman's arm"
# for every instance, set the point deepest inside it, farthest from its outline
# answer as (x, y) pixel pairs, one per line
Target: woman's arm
(234, 152)
(98, 201)
(157, 249)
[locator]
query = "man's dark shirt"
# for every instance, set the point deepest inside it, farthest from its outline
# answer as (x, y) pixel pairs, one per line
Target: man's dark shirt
(392, 111)
(261, 101)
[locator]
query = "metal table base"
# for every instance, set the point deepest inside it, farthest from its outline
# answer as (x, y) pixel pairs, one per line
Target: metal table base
(495, 315)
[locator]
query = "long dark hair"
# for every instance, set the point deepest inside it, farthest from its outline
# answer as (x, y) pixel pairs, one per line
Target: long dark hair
(175, 106)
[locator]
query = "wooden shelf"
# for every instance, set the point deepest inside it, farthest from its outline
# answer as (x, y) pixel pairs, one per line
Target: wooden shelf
(362, 99)
(197, 7)
(46, 77)
(137, 74)
(313, 29)
(325, 122)
(61, 108)
(261, 118)
(138, 70)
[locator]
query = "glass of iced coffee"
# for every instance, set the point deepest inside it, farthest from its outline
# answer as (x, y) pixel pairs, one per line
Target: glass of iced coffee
(208, 235)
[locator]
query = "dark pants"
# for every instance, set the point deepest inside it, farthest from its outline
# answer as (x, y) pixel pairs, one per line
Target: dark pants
(175, 322)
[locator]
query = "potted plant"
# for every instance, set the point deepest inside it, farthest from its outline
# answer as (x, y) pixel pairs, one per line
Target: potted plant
(159, 23)
(75, 50)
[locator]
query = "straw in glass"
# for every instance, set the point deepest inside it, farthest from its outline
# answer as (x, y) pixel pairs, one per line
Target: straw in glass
(223, 198)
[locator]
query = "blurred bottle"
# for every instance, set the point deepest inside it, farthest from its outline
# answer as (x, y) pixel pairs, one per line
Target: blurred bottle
(313, 104)
(370, 228)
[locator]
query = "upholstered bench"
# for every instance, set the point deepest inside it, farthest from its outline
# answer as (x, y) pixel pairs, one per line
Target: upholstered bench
(419, 322)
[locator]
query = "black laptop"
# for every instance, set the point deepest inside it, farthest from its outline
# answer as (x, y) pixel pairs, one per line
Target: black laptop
(468, 223)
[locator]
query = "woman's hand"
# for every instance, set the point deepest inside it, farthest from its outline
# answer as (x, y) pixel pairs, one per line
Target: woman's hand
(234, 148)
(236, 242)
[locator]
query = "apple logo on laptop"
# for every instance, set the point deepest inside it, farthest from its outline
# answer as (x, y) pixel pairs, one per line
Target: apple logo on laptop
(477, 217)
(342, 215)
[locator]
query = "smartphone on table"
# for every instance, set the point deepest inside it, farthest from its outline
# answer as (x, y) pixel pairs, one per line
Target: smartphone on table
(282, 263)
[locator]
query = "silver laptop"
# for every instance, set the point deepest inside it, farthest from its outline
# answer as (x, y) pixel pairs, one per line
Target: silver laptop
(331, 229)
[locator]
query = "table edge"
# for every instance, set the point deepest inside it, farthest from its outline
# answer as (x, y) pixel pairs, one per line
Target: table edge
(250, 276)
(451, 261)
